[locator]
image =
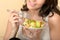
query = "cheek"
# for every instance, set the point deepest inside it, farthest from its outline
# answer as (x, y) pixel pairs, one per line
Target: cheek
(40, 2)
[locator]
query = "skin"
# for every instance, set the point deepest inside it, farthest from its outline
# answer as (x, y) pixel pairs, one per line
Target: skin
(54, 25)
(33, 6)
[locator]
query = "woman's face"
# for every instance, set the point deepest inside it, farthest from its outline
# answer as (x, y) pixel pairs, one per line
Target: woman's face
(34, 4)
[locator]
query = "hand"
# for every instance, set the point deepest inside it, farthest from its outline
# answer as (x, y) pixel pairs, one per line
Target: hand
(33, 34)
(14, 21)
(14, 18)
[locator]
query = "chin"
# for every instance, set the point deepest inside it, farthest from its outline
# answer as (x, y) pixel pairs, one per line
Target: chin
(32, 8)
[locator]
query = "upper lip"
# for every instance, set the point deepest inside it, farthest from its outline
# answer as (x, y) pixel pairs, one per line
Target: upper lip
(32, 3)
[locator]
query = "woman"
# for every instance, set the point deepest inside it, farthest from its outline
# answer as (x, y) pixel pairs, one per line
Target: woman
(41, 10)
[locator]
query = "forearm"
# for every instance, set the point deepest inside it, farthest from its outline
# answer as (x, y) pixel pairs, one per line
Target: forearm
(9, 32)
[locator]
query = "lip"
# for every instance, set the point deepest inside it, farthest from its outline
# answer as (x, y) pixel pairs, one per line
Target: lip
(31, 4)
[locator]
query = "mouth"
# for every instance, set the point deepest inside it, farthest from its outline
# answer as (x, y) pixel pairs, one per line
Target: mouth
(31, 4)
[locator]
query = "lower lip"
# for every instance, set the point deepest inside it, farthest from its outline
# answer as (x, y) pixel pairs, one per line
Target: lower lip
(31, 4)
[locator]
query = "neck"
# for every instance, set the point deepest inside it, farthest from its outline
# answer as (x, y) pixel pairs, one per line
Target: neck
(35, 12)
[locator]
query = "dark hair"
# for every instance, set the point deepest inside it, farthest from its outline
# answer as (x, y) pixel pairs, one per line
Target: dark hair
(49, 6)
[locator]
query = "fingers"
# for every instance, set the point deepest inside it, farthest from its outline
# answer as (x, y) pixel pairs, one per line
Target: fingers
(31, 33)
(13, 17)
(27, 32)
(13, 13)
